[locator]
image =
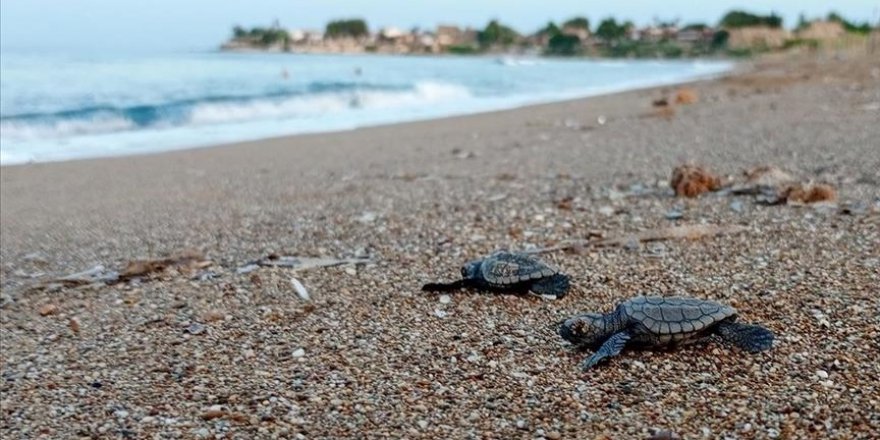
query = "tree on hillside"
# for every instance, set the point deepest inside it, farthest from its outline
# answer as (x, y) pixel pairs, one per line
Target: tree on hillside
(700, 27)
(273, 36)
(863, 28)
(577, 23)
(738, 19)
(562, 44)
(496, 34)
(261, 36)
(803, 23)
(355, 28)
(550, 30)
(609, 30)
(719, 40)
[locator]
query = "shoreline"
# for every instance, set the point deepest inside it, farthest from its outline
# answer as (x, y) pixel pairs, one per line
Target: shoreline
(732, 68)
(209, 349)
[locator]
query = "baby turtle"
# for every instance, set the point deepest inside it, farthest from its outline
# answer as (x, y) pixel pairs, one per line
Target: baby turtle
(653, 321)
(506, 271)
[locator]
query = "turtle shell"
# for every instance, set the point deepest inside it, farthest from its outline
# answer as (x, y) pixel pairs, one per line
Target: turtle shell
(506, 269)
(675, 315)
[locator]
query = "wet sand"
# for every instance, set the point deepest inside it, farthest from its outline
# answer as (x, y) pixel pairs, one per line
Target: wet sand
(218, 353)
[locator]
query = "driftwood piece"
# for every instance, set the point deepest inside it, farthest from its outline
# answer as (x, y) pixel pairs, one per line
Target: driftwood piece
(185, 261)
(684, 232)
(97, 274)
(302, 263)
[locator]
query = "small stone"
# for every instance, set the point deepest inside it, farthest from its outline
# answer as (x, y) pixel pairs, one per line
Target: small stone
(606, 211)
(195, 328)
(674, 215)
(521, 424)
(737, 206)
(213, 315)
(351, 271)
(298, 353)
(73, 324)
(632, 245)
(664, 434)
(440, 313)
(203, 433)
(120, 414)
(445, 299)
(148, 419)
(212, 414)
(423, 424)
(822, 374)
(461, 154)
(48, 309)
(368, 217)
(601, 120)
(554, 435)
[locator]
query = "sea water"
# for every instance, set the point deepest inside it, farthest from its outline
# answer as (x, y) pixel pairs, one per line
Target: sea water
(66, 106)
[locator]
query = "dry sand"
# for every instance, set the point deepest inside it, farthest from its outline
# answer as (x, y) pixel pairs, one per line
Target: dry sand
(227, 355)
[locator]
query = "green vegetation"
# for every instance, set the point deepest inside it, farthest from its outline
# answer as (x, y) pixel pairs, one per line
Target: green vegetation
(577, 23)
(642, 49)
(611, 38)
(719, 40)
(462, 49)
(550, 30)
(738, 19)
(700, 27)
(354, 28)
(564, 45)
(863, 28)
(803, 23)
(497, 34)
(261, 36)
(801, 42)
(609, 30)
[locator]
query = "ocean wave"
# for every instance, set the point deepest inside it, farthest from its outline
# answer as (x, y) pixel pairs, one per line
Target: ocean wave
(314, 100)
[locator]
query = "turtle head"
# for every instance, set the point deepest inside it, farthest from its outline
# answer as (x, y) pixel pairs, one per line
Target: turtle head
(471, 269)
(586, 330)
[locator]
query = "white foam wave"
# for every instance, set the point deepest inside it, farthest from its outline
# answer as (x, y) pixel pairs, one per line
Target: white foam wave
(25, 131)
(321, 104)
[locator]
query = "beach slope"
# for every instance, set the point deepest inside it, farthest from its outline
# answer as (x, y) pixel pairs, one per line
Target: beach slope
(232, 349)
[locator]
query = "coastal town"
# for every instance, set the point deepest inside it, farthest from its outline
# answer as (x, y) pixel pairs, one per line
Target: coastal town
(738, 33)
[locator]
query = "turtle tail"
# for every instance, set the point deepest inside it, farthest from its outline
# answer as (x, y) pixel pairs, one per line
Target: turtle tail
(751, 338)
(555, 285)
(444, 287)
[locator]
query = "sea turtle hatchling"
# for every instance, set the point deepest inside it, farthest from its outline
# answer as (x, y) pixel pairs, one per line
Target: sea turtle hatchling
(653, 321)
(507, 271)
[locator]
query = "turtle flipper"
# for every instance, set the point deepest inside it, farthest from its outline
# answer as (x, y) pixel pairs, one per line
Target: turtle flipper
(555, 285)
(751, 338)
(611, 347)
(445, 287)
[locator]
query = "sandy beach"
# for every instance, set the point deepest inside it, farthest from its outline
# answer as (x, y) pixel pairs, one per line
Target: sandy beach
(220, 352)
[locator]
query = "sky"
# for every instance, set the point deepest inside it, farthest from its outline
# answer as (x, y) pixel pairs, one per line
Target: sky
(204, 24)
